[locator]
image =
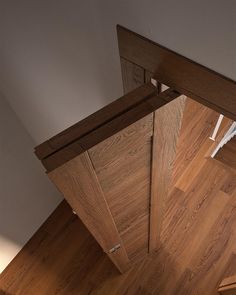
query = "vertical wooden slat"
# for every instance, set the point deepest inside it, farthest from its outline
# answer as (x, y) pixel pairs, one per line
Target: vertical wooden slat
(167, 123)
(133, 76)
(122, 164)
(78, 182)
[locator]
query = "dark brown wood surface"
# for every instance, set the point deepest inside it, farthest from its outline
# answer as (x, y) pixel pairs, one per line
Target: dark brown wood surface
(78, 181)
(133, 76)
(227, 153)
(122, 163)
(146, 106)
(166, 126)
(167, 123)
(124, 152)
(198, 236)
(107, 180)
(93, 121)
(105, 172)
(228, 286)
(188, 77)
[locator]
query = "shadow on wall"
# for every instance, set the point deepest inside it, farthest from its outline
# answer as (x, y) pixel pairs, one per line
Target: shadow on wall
(26, 195)
(62, 59)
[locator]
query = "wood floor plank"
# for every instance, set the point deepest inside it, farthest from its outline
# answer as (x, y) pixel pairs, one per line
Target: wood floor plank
(203, 225)
(198, 241)
(192, 208)
(202, 121)
(196, 165)
(213, 257)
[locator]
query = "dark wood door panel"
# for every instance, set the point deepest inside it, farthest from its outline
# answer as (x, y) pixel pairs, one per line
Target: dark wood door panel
(114, 166)
(78, 182)
(188, 77)
(123, 166)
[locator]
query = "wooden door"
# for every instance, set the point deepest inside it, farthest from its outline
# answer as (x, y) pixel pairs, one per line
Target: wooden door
(114, 167)
(106, 166)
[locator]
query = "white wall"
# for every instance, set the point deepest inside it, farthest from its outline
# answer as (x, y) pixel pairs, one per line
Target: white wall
(59, 59)
(26, 195)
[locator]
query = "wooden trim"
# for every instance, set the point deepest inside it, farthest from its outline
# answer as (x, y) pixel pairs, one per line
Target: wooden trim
(180, 73)
(166, 127)
(133, 76)
(93, 121)
(148, 105)
(228, 286)
(167, 123)
(78, 181)
(228, 290)
(228, 281)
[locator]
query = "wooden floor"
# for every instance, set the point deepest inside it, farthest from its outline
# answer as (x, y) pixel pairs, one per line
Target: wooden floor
(227, 154)
(198, 236)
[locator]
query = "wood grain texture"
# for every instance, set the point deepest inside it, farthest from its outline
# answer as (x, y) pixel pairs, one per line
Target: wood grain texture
(228, 284)
(116, 124)
(103, 166)
(204, 119)
(167, 123)
(122, 163)
(227, 153)
(198, 239)
(228, 290)
(178, 72)
(189, 174)
(166, 129)
(95, 120)
(113, 159)
(78, 182)
(228, 280)
(133, 76)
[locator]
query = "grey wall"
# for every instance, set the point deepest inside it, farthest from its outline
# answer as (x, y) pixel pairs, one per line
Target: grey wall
(26, 195)
(59, 62)
(59, 59)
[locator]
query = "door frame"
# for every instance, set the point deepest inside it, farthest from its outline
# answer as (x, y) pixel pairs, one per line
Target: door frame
(178, 72)
(142, 59)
